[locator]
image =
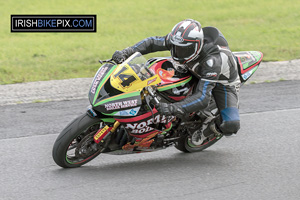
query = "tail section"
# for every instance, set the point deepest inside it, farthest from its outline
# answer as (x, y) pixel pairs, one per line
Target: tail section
(248, 62)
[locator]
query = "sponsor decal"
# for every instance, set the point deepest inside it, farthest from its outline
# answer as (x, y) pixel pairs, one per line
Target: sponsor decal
(246, 58)
(98, 78)
(133, 112)
(211, 74)
(130, 112)
(165, 74)
(151, 81)
(121, 104)
(177, 38)
(247, 75)
(123, 113)
(143, 127)
(101, 133)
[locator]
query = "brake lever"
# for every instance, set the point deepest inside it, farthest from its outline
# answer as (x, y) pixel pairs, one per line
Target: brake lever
(111, 61)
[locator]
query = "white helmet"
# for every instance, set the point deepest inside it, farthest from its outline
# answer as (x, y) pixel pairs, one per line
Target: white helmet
(186, 39)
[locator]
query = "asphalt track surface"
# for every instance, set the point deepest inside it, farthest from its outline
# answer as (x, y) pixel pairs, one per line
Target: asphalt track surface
(262, 162)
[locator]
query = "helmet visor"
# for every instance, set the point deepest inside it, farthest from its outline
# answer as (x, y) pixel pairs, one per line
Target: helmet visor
(184, 52)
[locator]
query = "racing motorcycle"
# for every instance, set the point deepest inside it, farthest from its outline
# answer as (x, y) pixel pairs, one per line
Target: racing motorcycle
(122, 117)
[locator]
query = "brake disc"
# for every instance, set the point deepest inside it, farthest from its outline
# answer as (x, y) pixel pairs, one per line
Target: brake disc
(86, 146)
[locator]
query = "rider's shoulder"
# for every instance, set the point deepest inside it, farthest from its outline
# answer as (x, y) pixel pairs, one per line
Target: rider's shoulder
(212, 61)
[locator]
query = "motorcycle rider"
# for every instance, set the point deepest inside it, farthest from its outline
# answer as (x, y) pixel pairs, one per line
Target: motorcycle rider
(204, 52)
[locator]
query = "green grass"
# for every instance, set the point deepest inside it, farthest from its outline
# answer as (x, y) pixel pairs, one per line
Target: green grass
(272, 27)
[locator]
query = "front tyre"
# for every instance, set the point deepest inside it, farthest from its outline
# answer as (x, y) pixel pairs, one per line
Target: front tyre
(75, 145)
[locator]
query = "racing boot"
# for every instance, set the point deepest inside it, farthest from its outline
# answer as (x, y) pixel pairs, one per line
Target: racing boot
(217, 131)
(214, 128)
(207, 131)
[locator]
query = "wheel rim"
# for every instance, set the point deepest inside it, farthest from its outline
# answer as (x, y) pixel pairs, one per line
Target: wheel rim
(192, 144)
(206, 143)
(83, 148)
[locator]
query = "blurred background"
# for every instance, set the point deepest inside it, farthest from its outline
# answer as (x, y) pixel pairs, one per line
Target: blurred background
(272, 27)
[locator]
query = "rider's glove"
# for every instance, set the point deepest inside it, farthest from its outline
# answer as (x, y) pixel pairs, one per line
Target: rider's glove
(118, 57)
(170, 109)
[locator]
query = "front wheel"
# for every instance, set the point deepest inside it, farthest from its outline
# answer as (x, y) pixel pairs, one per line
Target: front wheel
(75, 145)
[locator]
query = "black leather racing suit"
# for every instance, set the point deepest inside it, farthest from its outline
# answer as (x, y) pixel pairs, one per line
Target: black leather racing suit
(217, 71)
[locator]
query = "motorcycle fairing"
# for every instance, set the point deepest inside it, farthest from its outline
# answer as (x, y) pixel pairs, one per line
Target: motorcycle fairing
(174, 86)
(177, 91)
(143, 145)
(125, 79)
(128, 113)
(248, 62)
(116, 89)
(124, 101)
(166, 71)
(141, 126)
(100, 78)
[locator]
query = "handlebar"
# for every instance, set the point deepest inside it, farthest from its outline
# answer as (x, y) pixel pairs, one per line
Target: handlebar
(111, 61)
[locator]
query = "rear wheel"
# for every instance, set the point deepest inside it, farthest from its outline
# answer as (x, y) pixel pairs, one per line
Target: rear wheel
(190, 144)
(194, 142)
(75, 145)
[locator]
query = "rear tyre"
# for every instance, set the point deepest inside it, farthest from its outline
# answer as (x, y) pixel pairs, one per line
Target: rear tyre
(186, 145)
(75, 145)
